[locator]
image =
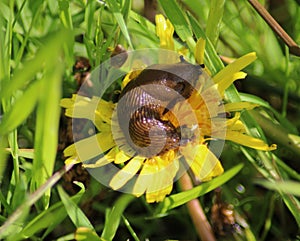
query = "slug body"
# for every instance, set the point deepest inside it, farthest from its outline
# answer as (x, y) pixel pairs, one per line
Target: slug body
(144, 101)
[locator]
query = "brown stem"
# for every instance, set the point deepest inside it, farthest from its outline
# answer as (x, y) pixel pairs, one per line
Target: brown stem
(150, 9)
(199, 219)
(293, 47)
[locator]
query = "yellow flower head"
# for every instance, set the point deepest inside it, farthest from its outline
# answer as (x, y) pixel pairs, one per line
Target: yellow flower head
(183, 129)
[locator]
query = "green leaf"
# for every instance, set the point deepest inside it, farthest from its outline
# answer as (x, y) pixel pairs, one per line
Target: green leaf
(49, 52)
(16, 226)
(20, 193)
(114, 215)
(76, 215)
(214, 20)
(286, 190)
(46, 135)
(27, 153)
(20, 110)
(145, 26)
(293, 205)
(142, 31)
(65, 15)
(5, 11)
(3, 158)
(282, 120)
(287, 187)
(48, 219)
(130, 229)
(89, 19)
(179, 199)
(114, 7)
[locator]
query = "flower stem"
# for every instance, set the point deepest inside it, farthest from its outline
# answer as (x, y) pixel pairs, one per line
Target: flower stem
(198, 217)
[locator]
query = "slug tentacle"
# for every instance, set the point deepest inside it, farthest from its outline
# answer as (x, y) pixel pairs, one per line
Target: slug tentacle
(146, 99)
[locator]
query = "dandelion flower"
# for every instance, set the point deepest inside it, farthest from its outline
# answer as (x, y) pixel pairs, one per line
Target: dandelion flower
(200, 118)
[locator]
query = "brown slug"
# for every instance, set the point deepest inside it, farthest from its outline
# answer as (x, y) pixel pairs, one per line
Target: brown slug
(144, 101)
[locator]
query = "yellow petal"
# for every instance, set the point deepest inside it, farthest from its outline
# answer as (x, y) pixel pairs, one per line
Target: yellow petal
(235, 67)
(164, 176)
(126, 173)
(66, 103)
(104, 109)
(156, 177)
(228, 80)
(237, 126)
(203, 162)
(121, 157)
(107, 158)
(159, 185)
(159, 195)
(199, 51)
(237, 106)
(91, 146)
(164, 30)
(72, 160)
(160, 24)
(70, 150)
(130, 76)
(83, 107)
(95, 109)
(233, 120)
(249, 141)
(144, 179)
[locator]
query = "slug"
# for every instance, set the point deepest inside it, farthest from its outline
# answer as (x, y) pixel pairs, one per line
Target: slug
(147, 98)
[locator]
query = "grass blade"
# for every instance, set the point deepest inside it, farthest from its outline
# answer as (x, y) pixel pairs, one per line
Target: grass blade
(76, 215)
(21, 109)
(214, 20)
(287, 187)
(114, 215)
(114, 7)
(46, 136)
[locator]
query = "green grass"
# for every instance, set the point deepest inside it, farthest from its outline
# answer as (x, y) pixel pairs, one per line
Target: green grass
(39, 43)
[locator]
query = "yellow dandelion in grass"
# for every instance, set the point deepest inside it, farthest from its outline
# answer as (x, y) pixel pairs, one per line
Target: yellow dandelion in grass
(165, 119)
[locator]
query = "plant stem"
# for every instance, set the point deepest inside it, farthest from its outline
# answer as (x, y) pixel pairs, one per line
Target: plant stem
(197, 214)
(293, 47)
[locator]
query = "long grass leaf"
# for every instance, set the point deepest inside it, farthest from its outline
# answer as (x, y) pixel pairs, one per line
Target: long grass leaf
(214, 20)
(46, 136)
(287, 187)
(75, 213)
(30, 68)
(115, 8)
(21, 109)
(114, 216)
